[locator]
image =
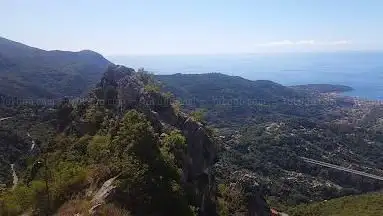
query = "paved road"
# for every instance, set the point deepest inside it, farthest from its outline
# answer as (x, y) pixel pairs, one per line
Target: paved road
(308, 160)
(2, 119)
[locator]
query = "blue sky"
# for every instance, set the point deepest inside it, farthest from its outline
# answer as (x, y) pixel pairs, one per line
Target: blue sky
(154, 27)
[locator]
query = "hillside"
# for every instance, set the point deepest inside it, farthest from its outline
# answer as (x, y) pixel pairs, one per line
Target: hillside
(114, 152)
(237, 100)
(212, 144)
(323, 88)
(219, 85)
(362, 205)
(267, 140)
(30, 72)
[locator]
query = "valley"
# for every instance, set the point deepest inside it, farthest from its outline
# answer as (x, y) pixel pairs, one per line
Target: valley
(120, 139)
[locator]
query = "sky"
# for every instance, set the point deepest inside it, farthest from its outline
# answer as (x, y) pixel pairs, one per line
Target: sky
(178, 27)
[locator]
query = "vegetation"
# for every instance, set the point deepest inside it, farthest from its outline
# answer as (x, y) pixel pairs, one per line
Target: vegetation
(363, 205)
(198, 115)
(266, 128)
(28, 72)
(90, 143)
(129, 133)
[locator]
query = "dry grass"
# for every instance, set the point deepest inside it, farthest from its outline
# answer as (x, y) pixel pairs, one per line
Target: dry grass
(110, 209)
(73, 207)
(82, 208)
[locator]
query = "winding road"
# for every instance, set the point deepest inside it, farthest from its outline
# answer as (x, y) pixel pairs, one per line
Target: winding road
(15, 178)
(2, 119)
(308, 160)
(33, 142)
(14, 175)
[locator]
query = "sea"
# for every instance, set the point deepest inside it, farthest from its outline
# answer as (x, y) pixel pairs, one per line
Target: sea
(363, 71)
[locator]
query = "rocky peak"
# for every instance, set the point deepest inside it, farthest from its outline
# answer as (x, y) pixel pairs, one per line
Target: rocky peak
(128, 88)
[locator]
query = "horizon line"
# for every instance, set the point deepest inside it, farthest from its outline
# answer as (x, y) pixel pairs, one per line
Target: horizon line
(244, 53)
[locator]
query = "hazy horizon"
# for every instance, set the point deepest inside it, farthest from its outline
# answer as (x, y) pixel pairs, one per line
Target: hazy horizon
(360, 70)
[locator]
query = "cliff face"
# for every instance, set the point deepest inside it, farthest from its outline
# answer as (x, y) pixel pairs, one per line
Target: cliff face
(122, 86)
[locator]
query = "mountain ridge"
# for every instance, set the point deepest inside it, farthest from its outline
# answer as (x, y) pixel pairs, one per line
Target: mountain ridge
(31, 72)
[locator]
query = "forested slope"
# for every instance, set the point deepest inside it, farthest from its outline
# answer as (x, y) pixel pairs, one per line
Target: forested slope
(29, 72)
(267, 139)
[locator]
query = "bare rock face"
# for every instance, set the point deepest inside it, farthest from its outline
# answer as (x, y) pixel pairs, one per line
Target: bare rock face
(130, 90)
(102, 195)
(256, 203)
(201, 156)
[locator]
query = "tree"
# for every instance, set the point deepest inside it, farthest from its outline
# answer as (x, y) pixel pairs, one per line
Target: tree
(98, 148)
(148, 184)
(174, 145)
(64, 111)
(199, 115)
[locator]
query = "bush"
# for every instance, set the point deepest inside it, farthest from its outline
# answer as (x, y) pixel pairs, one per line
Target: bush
(68, 178)
(22, 198)
(174, 148)
(176, 107)
(98, 148)
(110, 209)
(198, 115)
(152, 88)
(73, 207)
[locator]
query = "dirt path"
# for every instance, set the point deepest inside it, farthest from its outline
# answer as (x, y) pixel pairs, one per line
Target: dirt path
(15, 178)
(33, 142)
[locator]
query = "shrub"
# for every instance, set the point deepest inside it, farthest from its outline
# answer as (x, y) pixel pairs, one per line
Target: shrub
(111, 209)
(198, 115)
(73, 207)
(68, 178)
(22, 198)
(98, 148)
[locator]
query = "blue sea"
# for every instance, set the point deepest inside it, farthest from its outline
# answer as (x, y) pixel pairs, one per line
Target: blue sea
(363, 71)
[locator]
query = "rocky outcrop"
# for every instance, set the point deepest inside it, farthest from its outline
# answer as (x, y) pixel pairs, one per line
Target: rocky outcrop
(201, 156)
(201, 150)
(256, 203)
(102, 195)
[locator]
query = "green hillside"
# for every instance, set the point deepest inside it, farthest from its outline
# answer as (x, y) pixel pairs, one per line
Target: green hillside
(265, 128)
(102, 156)
(362, 205)
(29, 72)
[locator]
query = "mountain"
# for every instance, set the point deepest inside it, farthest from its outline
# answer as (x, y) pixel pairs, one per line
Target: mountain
(266, 129)
(125, 149)
(213, 144)
(59, 152)
(237, 100)
(216, 84)
(29, 72)
(230, 98)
